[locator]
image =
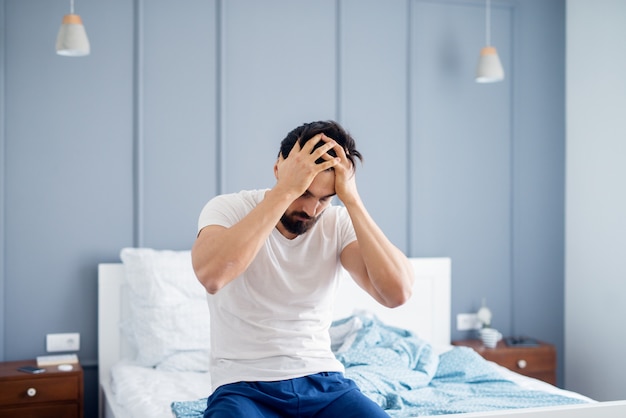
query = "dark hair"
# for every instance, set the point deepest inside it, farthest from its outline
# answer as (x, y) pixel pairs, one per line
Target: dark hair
(329, 128)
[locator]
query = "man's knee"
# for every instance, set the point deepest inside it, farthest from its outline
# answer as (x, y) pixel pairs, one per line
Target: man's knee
(353, 404)
(231, 406)
(226, 403)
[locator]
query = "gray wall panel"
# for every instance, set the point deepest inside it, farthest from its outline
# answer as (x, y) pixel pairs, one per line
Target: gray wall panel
(595, 199)
(67, 170)
(539, 174)
(179, 119)
(461, 138)
(372, 91)
(3, 158)
(279, 66)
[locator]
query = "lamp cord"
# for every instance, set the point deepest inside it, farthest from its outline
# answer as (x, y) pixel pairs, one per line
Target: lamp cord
(487, 23)
(71, 6)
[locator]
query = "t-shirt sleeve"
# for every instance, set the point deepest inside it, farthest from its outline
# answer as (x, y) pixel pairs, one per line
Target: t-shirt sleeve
(223, 210)
(345, 228)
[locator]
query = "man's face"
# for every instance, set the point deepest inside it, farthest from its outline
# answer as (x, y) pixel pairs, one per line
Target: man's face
(306, 210)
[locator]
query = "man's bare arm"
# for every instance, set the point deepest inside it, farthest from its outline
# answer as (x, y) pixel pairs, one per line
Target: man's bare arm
(373, 261)
(220, 254)
(378, 266)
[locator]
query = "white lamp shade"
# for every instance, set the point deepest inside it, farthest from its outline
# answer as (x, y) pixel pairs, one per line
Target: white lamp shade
(489, 68)
(72, 39)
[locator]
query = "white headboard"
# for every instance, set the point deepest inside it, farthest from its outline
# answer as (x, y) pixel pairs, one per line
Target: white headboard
(427, 312)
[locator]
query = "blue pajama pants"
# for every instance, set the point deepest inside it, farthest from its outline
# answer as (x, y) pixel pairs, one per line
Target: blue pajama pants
(318, 395)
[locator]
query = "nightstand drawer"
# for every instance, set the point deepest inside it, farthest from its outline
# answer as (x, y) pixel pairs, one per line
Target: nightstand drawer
(524, 361)
(39, 389)
(43, 411)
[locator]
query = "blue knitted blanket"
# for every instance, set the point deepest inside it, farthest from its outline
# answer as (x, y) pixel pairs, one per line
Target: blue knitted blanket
(401, 373)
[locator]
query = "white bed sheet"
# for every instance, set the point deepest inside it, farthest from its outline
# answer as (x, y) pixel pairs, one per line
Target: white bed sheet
(147, 392)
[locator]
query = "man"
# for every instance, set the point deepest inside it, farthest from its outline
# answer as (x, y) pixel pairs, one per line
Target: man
(270, 261)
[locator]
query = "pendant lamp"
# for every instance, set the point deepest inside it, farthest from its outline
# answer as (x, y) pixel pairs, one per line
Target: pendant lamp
(489, 68)
(72, 39)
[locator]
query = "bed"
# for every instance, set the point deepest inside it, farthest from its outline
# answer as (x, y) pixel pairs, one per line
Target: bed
(154, 342)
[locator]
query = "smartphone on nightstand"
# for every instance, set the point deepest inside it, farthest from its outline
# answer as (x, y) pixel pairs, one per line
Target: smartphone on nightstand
(31, 369)
(521, 342)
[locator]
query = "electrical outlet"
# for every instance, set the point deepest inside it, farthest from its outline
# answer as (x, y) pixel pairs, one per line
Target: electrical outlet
(63, 342)
(467, 321)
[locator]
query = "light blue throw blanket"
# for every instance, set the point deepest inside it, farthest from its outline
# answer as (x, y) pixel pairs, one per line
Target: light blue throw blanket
(401, 373)
(383, 361)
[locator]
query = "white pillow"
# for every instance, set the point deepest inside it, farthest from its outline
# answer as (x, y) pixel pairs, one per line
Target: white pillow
(168, 321)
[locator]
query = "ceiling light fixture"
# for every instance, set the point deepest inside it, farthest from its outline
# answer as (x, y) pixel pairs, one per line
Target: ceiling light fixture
(72, 39)
(489, 68)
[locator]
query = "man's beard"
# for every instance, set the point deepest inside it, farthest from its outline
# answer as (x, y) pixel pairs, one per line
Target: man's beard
(294, 223)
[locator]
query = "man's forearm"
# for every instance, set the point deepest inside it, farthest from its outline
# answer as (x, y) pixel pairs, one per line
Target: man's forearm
(388, 269)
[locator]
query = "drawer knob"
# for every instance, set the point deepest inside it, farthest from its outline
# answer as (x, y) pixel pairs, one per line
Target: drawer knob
(31, 392)
(522, 364)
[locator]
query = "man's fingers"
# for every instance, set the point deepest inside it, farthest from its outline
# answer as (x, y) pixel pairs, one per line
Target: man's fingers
(322, 151)
(328, 164)
(308, 146)
(295, 149)
(338, 148)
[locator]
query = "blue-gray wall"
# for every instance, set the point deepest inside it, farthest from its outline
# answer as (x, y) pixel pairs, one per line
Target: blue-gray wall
(179, 101)
(595, 270)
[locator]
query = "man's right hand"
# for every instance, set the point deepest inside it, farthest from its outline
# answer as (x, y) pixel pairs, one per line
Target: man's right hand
(295, 173)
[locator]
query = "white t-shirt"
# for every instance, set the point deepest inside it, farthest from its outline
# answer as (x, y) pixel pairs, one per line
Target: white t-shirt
(271, 323)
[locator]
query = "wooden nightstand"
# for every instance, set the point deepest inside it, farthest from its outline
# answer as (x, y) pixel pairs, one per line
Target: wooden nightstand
(538, 362)
(51, 394)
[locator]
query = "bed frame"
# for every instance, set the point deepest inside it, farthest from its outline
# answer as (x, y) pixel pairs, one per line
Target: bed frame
(427, 313)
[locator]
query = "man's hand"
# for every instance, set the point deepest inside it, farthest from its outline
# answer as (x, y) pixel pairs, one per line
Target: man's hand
(296, 172)
(345, 179)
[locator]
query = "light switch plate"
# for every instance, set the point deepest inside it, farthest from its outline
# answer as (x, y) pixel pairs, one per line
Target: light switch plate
(467, 322)
(63, 342)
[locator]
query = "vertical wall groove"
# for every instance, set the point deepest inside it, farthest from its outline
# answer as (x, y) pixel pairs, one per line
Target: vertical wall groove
(220, 156)
(338, 45)
(3, 37)
(409, 149)
(512, 167)
(138, 129)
